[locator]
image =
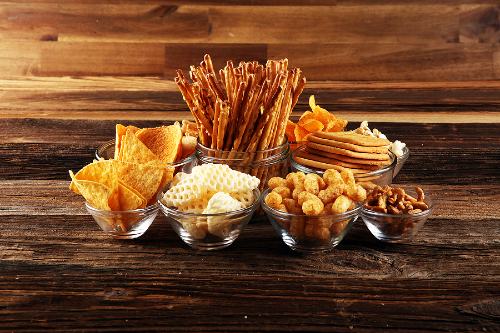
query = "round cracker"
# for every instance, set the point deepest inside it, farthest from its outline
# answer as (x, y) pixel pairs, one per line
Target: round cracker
(347, 146)
(348, 153)
(348, 159)
(353, 138)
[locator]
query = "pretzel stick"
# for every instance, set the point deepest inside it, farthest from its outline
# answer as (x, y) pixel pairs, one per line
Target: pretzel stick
(215, 131)
(224, 116)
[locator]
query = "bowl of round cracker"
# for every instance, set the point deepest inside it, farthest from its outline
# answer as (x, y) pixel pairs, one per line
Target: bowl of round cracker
(306, 161)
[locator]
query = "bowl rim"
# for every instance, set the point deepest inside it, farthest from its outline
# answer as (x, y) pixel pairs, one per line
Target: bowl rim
(428, 200)
(111, 143)
(345, 215)
(147, 209)
(279, 148)
(306, 169)
(174, 212)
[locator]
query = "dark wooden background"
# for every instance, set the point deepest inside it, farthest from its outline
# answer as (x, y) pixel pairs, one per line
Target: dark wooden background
(425, 72)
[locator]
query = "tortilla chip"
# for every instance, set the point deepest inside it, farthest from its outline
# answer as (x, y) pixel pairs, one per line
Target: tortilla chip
(143, 178)
(134, 151)
(99, 171)
(165, 142)
(96, 194)
(120, 132)
(129, 199)
(336, 125)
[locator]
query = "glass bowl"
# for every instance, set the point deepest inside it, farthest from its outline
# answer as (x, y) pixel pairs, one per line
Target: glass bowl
(401, 161)
(263, 164)
(396, 228)
(304, 233)
(209, 231)
(107, 151)
(128, 224)
(370, 179)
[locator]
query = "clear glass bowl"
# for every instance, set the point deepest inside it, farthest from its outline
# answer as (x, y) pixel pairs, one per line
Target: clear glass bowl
(263, 164)
(396, 228)
(209, 231)
(369, 179)
(303, 233)
(401, 161)
(128, 224)
(107, 151)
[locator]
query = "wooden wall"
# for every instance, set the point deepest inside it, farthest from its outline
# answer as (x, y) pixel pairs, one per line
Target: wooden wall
(395, 40)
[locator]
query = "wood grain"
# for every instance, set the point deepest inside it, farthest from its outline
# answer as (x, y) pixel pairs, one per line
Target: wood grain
(130, 97)
(440, 41)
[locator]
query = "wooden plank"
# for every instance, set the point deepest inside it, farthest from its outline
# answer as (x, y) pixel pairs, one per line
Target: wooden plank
(104, 22)
(389, 61)
(182, 56)
(228, 24)
(100, 59)
(366, 61)
(335, 24)
(267, 3)
(479, 23)
(130, 97)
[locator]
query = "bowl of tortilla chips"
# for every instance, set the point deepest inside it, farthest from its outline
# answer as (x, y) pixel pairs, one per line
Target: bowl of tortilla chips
(121, 191)
(168, 143)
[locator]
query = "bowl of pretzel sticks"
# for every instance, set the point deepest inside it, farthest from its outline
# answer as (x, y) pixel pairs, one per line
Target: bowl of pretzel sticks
(241, 113)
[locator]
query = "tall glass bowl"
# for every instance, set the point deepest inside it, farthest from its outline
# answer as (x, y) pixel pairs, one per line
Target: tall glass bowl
(263, 164)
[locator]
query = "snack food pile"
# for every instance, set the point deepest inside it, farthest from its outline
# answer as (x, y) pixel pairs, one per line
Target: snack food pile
(210, 189)
(406, 213)
(342, 150)
(136, 174)
(334, 193)
(395, 147)
(318, 119)
(394, 200)
(243, 108)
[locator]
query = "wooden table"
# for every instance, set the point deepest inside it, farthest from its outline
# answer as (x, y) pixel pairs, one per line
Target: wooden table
(58, 271)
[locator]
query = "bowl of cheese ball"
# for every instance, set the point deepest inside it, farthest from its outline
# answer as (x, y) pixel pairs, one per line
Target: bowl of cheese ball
(310, 212)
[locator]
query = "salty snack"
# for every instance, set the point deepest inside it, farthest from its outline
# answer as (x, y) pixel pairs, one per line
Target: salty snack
(210, 189)
(242, 108)
(341, 150)
(164, 142)
(393, 215)
(316, 197)
(395, 147)
(318, 119)
(394, 200)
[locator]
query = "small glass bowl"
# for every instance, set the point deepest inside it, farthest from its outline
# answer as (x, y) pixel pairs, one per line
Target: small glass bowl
(401, 161)
(303, 233)
(128, 224)
(107, 151)
(209, 231)
(370, 179)
(396, 228)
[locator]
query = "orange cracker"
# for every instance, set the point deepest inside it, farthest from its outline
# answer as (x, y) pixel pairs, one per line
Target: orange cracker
(324, 166)
(348, 159)
(347, 146)
(345, 152)
(317, 156)
(353, 138)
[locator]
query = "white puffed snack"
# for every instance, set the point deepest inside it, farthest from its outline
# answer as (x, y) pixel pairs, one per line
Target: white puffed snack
(192, 191)
(245, 198)
(221, 202)
(221, 178)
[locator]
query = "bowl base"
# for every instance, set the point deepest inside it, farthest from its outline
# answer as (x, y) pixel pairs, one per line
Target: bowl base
(202, 246)
(308, 247)
(129, 235)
